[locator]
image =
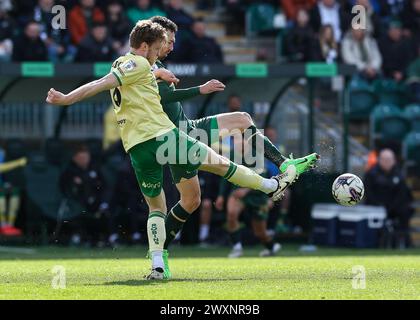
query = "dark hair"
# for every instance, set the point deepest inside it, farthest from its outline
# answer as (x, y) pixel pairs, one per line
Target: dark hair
(165, 23)
(146, 31)
(80, 148)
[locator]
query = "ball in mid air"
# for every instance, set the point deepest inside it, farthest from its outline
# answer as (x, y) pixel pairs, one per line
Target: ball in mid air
(348, 189)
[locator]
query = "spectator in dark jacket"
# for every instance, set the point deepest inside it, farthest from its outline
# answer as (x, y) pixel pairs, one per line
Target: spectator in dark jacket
(397, 52)
(84, 183)
(29, 46)
(299, 39)
(178, 15)
(118, 25)
(410, 18)
(330, 12)
(200, 48)
(81, 19)
(97, 46)
(386, 186)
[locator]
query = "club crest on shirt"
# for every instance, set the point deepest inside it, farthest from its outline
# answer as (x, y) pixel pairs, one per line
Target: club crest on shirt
(129, 65)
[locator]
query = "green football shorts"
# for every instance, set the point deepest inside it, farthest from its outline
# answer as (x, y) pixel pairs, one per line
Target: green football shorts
(175, 148)
(210, 127)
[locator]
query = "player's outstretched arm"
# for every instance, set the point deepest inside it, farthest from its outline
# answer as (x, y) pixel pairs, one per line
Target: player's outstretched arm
(87, 90)
(168, 96)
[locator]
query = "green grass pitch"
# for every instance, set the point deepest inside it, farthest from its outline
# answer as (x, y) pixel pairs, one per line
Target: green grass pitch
(207, 274)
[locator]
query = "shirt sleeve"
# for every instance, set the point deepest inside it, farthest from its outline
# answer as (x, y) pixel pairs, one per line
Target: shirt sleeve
(168, 96)
(131, 71)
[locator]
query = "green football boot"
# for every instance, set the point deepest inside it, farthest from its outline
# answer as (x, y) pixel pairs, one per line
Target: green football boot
(302, 164)
(166, 272)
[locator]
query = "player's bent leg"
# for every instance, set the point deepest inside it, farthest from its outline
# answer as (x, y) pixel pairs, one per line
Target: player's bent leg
(233, 120)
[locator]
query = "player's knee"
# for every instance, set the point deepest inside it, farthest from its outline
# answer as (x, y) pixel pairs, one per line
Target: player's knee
(191, 202)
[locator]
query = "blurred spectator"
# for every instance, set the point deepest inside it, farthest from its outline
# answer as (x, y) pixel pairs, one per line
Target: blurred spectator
(361, 50)
(299, 39)
(29, 46)
(83, 182)
(81, 19)
(178, 15)
(325, 48)
(6, 5)
(235, 10)
(97, 46)
(56, 40)
(292, 7)
(386, 186)
(7, 26)
(413, 77)
(142, 11)
(410, 18)
(396, 52)
(391, 9)
(332, 13)
(200, 48)
(118, 25)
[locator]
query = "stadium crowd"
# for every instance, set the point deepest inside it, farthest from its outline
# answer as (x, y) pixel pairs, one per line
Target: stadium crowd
(97, 31)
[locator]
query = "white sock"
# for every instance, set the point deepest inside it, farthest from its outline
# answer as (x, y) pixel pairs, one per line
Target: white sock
(237, 246)
(269, 185)
(157, 260)
(204, 231)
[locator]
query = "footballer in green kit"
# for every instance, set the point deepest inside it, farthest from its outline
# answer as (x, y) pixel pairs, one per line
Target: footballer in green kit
(215, 127)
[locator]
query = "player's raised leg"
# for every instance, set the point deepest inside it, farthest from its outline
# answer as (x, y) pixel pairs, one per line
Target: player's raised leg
(228, 122)
(245, 177)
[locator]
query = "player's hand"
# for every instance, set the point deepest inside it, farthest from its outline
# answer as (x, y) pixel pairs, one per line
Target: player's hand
(212, 86)
(57, 98)
(220, 202)
(166, 75)
(23, 161)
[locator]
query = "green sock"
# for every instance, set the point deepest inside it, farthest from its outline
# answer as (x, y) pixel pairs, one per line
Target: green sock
(235, 236)
(174, 223)
(270, 150)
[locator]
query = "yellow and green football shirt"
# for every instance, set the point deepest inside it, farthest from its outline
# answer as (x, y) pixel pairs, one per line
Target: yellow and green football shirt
(136, 101)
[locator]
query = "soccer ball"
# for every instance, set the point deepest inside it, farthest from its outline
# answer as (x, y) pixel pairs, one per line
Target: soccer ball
(348, 189)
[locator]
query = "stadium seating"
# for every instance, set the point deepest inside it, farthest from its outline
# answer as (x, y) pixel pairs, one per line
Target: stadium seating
(412, 113)
(390, 92)
(411, 148)
(388, 123)
(259, 18)
(362, 100)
